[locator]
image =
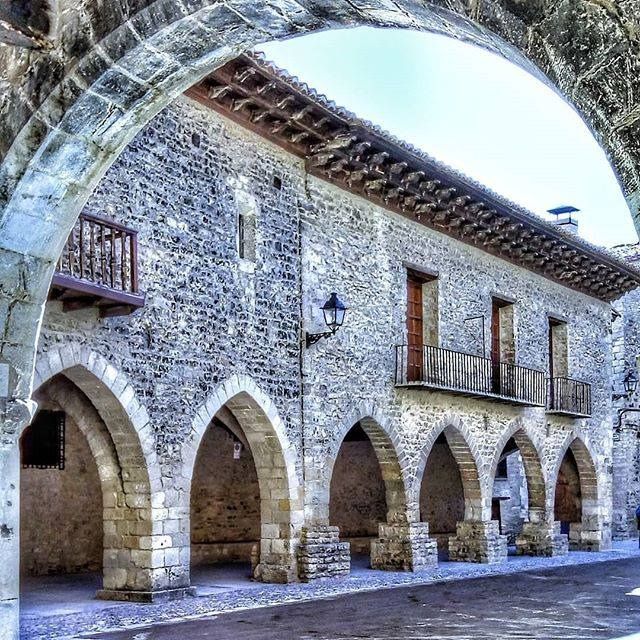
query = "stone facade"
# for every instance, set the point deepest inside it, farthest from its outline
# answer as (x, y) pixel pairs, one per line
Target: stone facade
(626, 449)
(78, 85)
(221, 338)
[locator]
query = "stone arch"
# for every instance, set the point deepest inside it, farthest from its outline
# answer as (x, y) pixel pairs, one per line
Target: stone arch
(94, 99)
(128, 467)
(592, 533)
(462, 445)
(275, 460)
(387, 445)
(532, 462)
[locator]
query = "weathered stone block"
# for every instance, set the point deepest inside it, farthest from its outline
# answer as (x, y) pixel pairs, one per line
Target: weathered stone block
(477, 541)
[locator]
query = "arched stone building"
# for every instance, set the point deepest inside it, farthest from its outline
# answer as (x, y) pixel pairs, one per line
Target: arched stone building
(239, 243)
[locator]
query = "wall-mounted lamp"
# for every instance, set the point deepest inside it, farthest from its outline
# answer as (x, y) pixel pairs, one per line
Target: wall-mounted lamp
(334, 311)
(630, 384)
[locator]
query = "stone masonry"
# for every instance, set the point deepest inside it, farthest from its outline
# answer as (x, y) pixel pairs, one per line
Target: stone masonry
(180, 183)
(220, 334)
(79, 80)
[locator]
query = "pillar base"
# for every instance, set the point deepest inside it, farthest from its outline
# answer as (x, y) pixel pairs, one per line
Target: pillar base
(403, 547)
(541, 539)
(321, 554)
(163, 595)
(477, 541)
(581, 539)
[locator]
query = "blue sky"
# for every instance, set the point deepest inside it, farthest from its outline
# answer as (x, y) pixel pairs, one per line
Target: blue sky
(472, 110)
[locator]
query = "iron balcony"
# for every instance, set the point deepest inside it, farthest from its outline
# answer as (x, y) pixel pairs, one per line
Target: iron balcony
(476, 376)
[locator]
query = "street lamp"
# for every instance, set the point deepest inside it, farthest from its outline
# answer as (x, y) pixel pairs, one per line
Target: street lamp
(630, 384)
(334, 311)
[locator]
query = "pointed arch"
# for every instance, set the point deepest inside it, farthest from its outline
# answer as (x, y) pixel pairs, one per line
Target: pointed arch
(387, 445)
(530, 451)
(276, 466)
(586, 466)
(115, 399)
(592, 533)
(122, 444)
(464, 450)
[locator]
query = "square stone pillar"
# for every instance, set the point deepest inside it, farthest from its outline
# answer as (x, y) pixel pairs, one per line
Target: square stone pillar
(477, 541)
(9, 545)
(584, 536)
(321, 554)
(277, 563)
(403, 547)
(541, 539)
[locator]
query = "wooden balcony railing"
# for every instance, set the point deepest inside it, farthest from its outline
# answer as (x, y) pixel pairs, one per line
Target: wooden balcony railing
(98, 267)
(569, 397)
(468, 374)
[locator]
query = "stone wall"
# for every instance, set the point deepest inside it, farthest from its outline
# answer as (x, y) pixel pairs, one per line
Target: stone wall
(208, 313)
(225, 501)
(513, 497)
(626, 449)
(61, 528)
(213, 319)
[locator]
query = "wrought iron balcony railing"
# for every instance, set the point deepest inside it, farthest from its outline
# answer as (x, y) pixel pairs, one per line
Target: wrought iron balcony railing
(98, 267)
(463, 373)
(569, 397)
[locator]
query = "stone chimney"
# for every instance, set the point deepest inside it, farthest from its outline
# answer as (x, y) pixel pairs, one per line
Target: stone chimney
(565, 218)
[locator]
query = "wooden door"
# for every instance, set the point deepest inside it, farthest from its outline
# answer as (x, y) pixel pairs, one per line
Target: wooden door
(495, 346)
(415, 330)
(551, 363)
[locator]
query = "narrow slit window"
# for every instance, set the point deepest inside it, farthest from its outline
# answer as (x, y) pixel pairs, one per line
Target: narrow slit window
(246, 233)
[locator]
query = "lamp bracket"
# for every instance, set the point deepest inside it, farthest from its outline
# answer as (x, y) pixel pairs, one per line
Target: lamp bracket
(312, 338)
(621, 413)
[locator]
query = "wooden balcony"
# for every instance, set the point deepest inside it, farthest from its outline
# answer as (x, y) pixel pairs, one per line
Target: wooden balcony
(569, 398)
(465, 374)
(98, 268)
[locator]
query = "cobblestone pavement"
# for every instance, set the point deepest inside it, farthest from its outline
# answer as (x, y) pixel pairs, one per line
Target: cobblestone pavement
(578, 600)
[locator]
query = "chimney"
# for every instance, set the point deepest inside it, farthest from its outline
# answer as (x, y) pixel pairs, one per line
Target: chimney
(565, 218)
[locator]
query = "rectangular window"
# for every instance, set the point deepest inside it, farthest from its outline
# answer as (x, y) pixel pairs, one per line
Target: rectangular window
(42, 443)
(422, 320)
(247, 235)
(558, 349)
(503, 347)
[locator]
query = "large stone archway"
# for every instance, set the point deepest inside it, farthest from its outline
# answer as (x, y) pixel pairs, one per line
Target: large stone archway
(133, 495)
(592, 533)
(274, 456)
(540, 535)
(477, 537)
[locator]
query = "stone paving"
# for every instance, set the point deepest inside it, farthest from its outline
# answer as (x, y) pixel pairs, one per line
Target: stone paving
(595, 601)
(53, 622)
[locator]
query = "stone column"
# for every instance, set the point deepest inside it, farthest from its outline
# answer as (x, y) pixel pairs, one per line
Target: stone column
(478, 541)
(584, 536)
(9, 544)
(321, 554)
(541, 539)
(277, 559)
(403, 547)
(153, 566)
